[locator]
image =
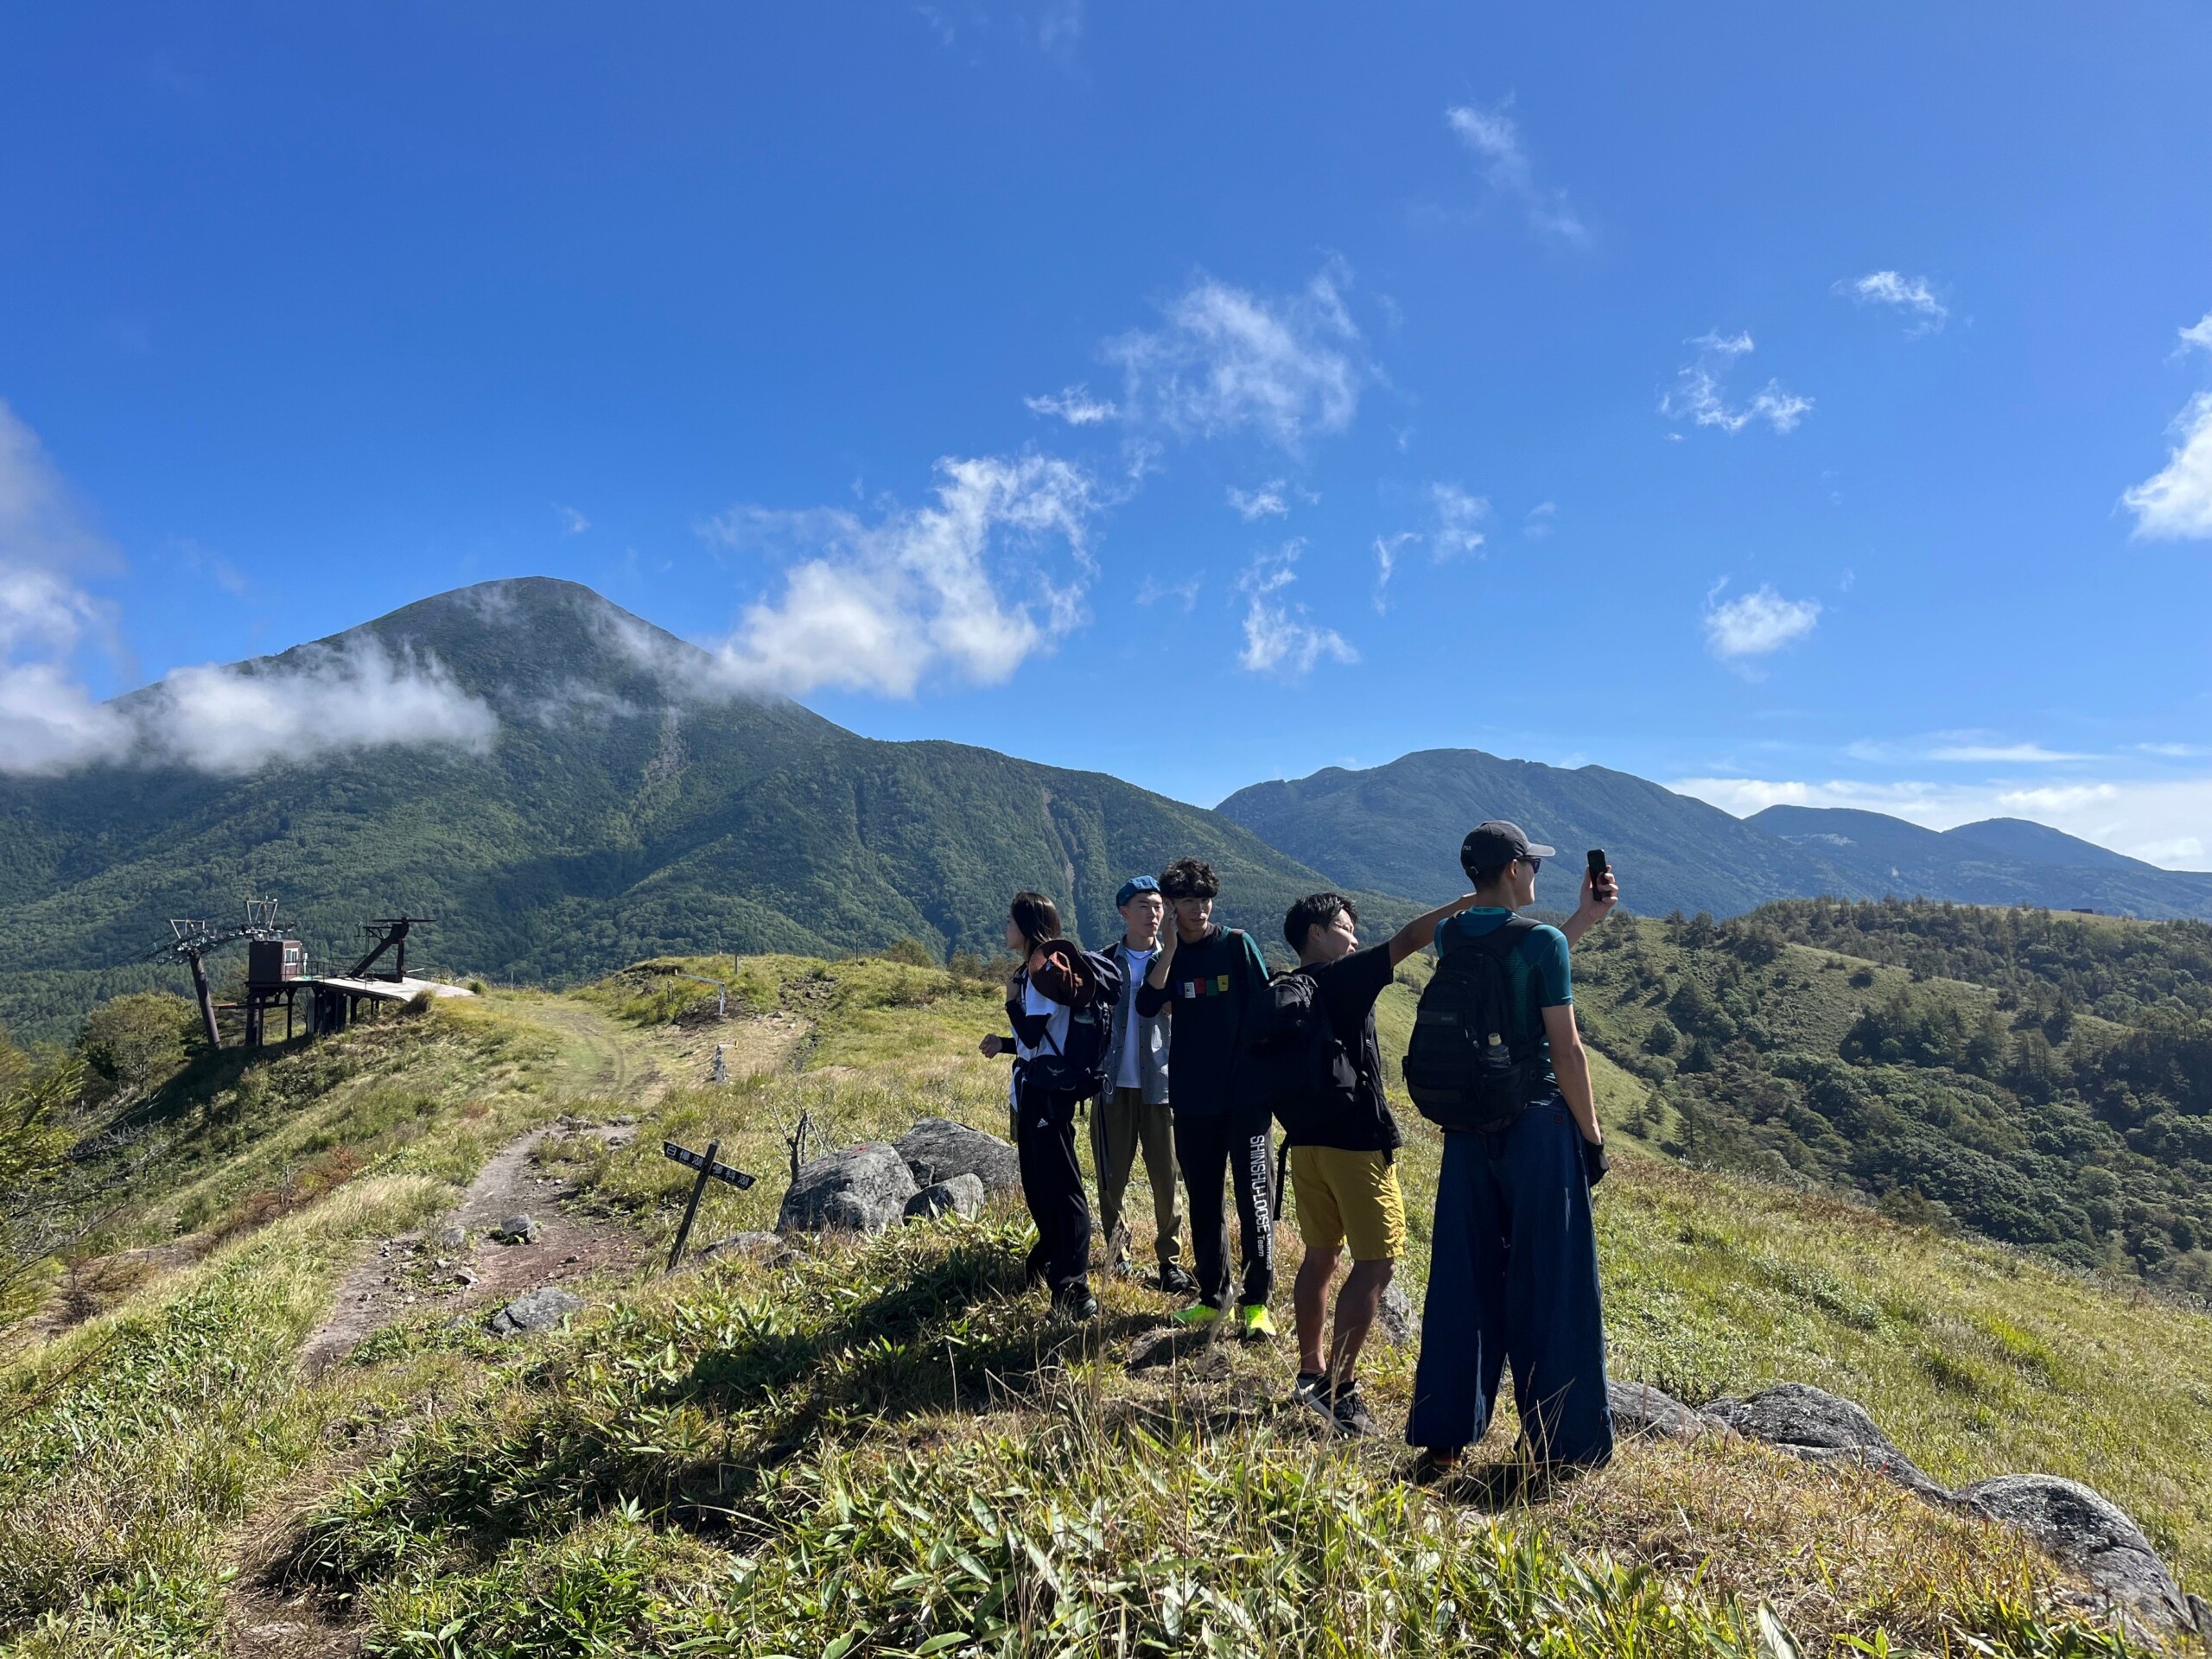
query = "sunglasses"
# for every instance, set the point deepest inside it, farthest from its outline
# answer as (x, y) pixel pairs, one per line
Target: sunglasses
(1533, 864)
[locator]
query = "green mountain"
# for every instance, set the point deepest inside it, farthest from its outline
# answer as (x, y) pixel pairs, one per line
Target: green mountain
(1397, 828)
(624, 808)
(2038, 1078)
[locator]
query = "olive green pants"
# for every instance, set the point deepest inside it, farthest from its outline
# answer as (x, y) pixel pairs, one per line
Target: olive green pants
(1120, 1123)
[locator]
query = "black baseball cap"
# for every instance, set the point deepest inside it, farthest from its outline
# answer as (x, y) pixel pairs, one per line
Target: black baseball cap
(1493, 845)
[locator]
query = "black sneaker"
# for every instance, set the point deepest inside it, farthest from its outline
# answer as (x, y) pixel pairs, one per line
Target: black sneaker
(1352, 1417)
(1075, 1306)
(1312, 1391)
(1174, 1281)
(1432, 1463)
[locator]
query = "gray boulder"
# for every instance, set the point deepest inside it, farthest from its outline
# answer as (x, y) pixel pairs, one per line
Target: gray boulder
(535, 1311)
(1822, 1428)
(863, 1189)
(1397, 1318)
(1638, 1408)
(961, 1196)
(2091, 1535)
(519, 1229)
(936, 1149)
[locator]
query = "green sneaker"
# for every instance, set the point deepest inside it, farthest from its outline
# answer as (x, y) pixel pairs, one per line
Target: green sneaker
(1254, 1321)
(1198, 1313)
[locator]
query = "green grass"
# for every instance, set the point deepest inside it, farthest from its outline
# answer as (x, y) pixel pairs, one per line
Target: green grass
(888, 1447)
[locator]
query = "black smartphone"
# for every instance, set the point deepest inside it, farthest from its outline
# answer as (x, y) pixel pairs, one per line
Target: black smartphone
(1597, 867)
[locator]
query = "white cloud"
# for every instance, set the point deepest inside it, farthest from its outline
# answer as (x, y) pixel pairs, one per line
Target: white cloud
(1073, 404)
(2199, 332)
(1699, 395)
(572, 521)
(921, 592)
(2174, 503)
(1266, 501)
(2161, 821)
(1277, 638)
(1226, 360)
(1457, 512)
(2004, 753)
(1386, 548)
(1494, 140)
(317, 700)
(1539, 521)
(1912, 295)
(1152, 590)
(1756, 624)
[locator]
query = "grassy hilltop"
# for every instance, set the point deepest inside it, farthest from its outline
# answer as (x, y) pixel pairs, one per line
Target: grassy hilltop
(885, 1448)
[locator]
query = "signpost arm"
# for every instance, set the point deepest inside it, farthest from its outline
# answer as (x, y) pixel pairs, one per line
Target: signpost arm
(691, 1209)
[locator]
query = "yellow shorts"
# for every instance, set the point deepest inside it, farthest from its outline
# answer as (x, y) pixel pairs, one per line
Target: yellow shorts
(1349, 1195)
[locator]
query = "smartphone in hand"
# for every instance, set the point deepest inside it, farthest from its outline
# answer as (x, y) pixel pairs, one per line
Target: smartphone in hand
(1598, 867)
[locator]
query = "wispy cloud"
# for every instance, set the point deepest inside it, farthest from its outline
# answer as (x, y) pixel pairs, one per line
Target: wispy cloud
(1493, 138)
(1698, 394)
(1278, 639)
(1912, 295)
(311, 703)
(2198, 333)
(2031, 754)
(1264, 502)
(1457, 515)
(1226, 360)
(2174, 502)
(964, 590)
(1537, 523)
(1386, 549)
(1152, 590)
(1756, 624)
(1073, 404)
(572, 521)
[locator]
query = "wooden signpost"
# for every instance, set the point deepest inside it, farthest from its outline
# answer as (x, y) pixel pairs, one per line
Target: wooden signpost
(708, 1169)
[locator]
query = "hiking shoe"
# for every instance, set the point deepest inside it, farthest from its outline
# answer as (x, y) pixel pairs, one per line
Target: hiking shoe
(1122, 1268)
(1253, 1321)
(1197, 1314)
(1352, 1417)
(1434, 1463)
(1174, 1281)
(1075, 1306)
(1312, 1391)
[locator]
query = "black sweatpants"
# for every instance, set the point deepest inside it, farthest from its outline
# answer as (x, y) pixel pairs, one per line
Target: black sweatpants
(1052, 1182)
(1235, 1145)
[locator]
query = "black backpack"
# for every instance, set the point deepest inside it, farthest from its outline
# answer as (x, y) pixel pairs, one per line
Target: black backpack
(1468, 1068)
(1080, 1066)
(1294, 1064)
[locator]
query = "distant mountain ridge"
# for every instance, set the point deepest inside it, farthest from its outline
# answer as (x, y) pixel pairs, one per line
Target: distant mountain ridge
(626, 807)
(1396, 827)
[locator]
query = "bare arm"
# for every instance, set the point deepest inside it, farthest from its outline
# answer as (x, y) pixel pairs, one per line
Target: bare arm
(1572, 1067)
(1597, 904)
(1421, 930)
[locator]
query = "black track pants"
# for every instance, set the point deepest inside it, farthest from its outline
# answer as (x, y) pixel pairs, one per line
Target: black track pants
(1052, 1182)
(1233, 1146)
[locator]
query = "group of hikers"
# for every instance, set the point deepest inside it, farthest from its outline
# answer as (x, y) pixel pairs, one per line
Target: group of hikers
(1189, 1052)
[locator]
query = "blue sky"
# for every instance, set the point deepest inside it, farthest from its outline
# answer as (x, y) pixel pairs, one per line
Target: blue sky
(1782, 404)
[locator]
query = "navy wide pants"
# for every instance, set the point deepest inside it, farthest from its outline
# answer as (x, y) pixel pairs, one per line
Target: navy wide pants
(1513, 1278)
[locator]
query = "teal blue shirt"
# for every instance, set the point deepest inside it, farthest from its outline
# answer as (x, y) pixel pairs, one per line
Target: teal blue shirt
(1537, 974)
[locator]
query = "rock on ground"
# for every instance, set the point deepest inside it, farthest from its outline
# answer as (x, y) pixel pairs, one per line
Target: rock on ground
(1822, 1428)
(936, 1149)
(863, 1189)
(961, 1196)
(1397, 1318)
(1639, 1408)
(2093, 1536)
(518, 1229)
(535, 1311)
(744, 1244)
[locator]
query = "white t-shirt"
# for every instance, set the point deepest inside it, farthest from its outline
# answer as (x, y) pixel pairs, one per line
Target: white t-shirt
(1034, 1001)
(1129, 1069)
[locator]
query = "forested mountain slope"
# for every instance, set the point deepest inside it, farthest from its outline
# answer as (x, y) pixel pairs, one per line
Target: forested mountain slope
(2045, 1080)
(626, 806)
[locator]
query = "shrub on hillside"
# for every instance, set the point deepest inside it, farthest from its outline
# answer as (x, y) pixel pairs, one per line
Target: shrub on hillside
(135, 1041)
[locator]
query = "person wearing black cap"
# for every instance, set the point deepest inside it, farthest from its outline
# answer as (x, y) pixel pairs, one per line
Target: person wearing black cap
(1513, 1261)
(1132, 1110)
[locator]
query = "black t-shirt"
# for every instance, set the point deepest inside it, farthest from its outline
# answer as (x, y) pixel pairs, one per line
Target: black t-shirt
(1348, 987)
